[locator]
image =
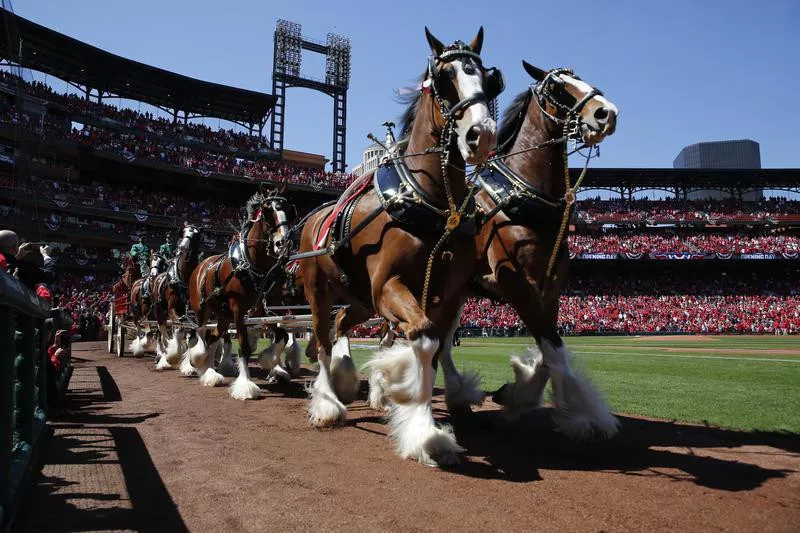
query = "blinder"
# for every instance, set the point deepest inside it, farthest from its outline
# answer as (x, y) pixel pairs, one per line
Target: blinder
(494, 84)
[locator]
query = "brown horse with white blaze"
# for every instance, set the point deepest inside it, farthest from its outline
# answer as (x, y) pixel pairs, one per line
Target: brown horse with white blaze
(410, 271)
(522, 246)
(140, 306)
(171, 295)
(227, 286)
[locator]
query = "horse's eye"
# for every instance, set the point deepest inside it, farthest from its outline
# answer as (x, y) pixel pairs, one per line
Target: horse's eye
(469, 69)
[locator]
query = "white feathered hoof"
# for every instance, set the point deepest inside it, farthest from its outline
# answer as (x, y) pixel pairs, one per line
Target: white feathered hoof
(581, 412)
(173, 355)
(138, 346)
(244, 389)
(463, 390)
(399, 373)
(343, 372)
(325, 410)
(163, 364)
(211, 378)
(527, 391)
(377, 399)
(185, 366)
(417, 436)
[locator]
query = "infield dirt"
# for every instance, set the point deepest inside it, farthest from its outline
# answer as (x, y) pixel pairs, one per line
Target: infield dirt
(141, 450)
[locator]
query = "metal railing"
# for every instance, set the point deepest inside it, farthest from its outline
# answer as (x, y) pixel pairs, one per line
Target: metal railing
(23, 390)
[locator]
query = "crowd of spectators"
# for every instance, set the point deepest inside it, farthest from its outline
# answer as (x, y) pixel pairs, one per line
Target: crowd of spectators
(667, 240)
(671, 210)
(723, 304)
(144, 135)
(86, 299)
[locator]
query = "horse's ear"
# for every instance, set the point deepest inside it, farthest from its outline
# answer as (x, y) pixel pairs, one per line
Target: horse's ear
(436, 45)
(477, 42)
(534, 72)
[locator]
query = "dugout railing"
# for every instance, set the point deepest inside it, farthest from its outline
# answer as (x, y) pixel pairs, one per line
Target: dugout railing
(23, 391)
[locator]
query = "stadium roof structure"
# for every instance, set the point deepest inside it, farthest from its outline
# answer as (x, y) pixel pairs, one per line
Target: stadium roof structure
(689, 178)
(45, 50)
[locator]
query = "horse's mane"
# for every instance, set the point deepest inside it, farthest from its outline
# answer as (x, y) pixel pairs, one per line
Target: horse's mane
(514, 114)
(253, 203)
(411, 101)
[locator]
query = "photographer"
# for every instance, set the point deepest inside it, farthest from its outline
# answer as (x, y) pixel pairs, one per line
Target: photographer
(12, 261)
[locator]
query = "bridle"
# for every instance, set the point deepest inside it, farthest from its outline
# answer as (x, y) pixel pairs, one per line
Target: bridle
(542, 93)
(274, 203)
(495, 83)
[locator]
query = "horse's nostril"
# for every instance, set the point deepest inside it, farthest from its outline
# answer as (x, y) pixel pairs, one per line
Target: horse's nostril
(601, 113)
(472, 137)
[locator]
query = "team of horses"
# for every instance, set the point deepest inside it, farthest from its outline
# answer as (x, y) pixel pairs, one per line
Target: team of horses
(458, 208)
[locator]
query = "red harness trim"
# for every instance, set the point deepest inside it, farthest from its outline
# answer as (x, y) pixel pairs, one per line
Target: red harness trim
(341, 206)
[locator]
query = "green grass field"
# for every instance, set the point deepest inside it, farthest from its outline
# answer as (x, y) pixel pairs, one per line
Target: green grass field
(731, 382)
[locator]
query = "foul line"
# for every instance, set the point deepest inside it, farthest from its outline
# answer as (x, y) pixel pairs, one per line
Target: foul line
(725, 357)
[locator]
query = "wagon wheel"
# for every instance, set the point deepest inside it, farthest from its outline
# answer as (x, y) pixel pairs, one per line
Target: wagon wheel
(110, 327)
(120, 338)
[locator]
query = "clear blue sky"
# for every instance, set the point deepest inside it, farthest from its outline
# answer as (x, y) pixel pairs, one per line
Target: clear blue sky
(681, 71)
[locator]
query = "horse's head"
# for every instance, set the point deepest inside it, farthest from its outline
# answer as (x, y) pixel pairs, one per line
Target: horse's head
(268, 210)
(156, 263)
(564, 96)
(190, 239)
(462, 87)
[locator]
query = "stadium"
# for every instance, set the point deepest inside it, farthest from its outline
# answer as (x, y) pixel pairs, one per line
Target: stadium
(682, 306)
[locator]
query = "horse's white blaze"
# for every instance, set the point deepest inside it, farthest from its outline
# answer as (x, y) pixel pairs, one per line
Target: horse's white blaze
(578, 89)
(581, 410)
(282, 236)
(477, 114)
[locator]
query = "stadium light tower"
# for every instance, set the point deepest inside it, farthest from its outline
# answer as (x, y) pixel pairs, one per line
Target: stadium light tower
(286, 73)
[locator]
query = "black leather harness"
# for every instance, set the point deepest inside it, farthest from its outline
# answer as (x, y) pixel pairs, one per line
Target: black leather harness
(409, 205)
(522, 203)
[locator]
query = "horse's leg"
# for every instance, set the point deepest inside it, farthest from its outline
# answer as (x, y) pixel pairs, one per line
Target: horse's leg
(581, 412)
(242, 387)
(311, 348)
(292, 355)
(173, 350)
(377, 397)
(209, 377)
(343, 371)
(407, 378)
(324, 409)
(386, 335)
(195, 354)
(270, 357)
(580, 409)
(460, 390)
(226, 366)
(160, 310)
